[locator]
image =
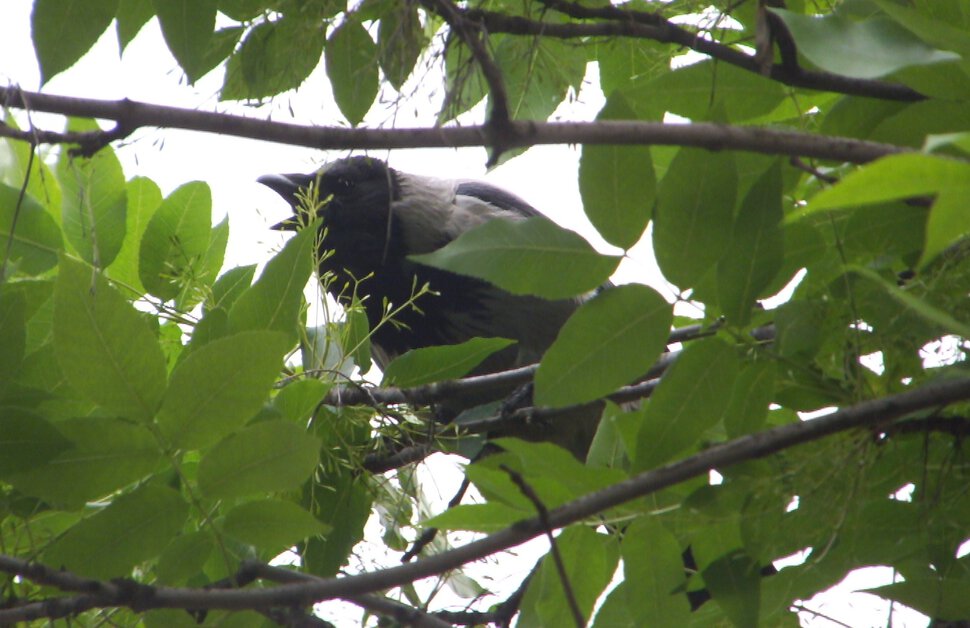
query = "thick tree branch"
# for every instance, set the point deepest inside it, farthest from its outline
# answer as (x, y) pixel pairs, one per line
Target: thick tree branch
(868, 413)
(402, 613)
(629, 23)
(131, 115)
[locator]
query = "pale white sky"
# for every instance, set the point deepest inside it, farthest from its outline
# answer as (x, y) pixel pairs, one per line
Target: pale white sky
(544, 176)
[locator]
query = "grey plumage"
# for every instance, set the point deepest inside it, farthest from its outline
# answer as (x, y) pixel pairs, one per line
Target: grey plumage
(377, 216)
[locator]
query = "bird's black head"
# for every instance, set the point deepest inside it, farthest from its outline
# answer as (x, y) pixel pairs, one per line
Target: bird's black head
(349, 194)
(353, 198)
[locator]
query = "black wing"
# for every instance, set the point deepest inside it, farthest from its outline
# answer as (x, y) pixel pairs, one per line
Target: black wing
(496, 196)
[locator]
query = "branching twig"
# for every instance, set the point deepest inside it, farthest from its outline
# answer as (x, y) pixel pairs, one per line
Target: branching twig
(497, 97)
(543, 513)
(629, 23)
(132, 115)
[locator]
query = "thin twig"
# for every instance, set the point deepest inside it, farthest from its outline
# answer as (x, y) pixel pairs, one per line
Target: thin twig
(629, 23)
(8, 250)
(429, 534)
(543, 513)
(455, 17)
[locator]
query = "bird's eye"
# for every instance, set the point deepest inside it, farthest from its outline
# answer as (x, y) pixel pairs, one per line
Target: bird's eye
(343, 184)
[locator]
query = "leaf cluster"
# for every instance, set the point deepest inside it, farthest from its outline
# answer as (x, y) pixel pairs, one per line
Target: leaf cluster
(157, 421)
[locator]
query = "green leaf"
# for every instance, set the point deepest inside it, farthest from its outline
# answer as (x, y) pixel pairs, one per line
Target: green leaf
(707, 90)
(919, 307)
(265, 457)
(213, 325)
(187, 26)
(617, 184)
(297, 400)
(695, 210)
(271, 524)
(275, 300)
(36, 237)
(176, 236)
(941, 24)
(229, 286)
(942, 599)
(38, 311)
(64, 31)
(884, 229)
(93, 205)
(892, 177)
(219, 386)
(464, 84)
(689, 400)
(27, 441)
(350, 56)
(624, 62)
(242, 10)
(748, 405)
(866, 49)
(104, 347)
(555, 475)
(41, 182)
(533, 256)
(948, 223)
(274, 57)
(537, 73)
(132, 15)
(589, 560)
(355, 335)
(342, 500)
(916, 124)
(184, 557)
(607, 343)
(400, 40)
(435, 364)
(13, 332)
(221, 45)
(734, 582)
(901, 177)
(132, 529)
(485, 518)
(206, 268)
(756, 251)
(103, 455)
(653, 572)
(144, 197)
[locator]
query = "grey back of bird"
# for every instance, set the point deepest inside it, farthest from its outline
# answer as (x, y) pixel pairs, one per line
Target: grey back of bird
(376, 217)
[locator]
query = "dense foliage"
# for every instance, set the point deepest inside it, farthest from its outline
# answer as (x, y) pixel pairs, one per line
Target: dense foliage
(165, 420)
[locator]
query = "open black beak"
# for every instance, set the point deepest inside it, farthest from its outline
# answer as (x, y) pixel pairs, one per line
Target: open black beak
(287, 186)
